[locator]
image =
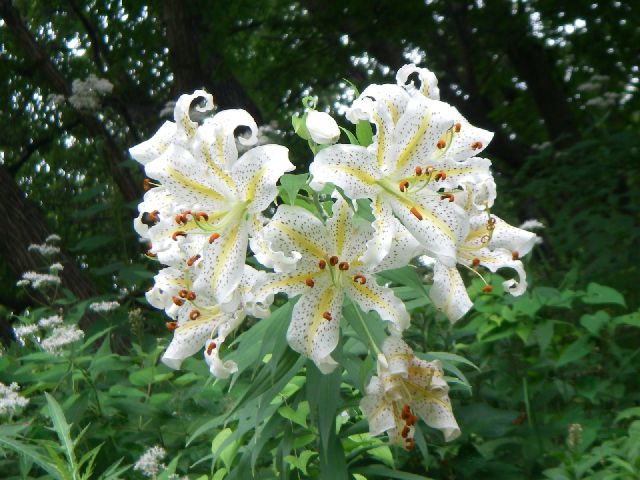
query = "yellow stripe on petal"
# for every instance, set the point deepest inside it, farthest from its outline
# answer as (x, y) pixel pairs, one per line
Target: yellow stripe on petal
(343, 218)
(359, 174)
(252, 186)
(371, 296)
(427, 395)
(427, 216)
(192, 185)
(408, 150)
(380, 139)
(299, 239)
(229, 238)
(216, 169)
(324, 305)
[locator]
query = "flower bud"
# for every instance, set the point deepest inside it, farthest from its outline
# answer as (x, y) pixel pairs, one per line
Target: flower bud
(322, 128)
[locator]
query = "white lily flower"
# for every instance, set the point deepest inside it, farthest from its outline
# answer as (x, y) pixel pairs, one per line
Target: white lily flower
(322, 127)
(406, 384)
(491, 243)
(329, 266)
(209, 200)
(428, 81)
(422, 151)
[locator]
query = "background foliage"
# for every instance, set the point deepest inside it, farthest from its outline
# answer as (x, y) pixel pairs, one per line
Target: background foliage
(556, 81)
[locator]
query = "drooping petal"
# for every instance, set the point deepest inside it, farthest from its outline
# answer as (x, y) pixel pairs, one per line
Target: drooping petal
(350, 167)
(512, 238)
(473, 170)
(467, 140)
(377, 409)
(448, 292)
(371, 296)
(190, 181)
(268, 256)
(315, 325)
(217, 367)
(428, 81)
(188, 339)
(398, 356)
(385, 227)
(404, 247)
(438, 225)
(347, 236)
(501, 258)
(167, 283)
(223, 263)
(292, 284)
(257, 172)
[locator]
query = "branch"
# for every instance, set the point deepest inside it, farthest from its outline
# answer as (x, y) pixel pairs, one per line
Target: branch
(97, 47)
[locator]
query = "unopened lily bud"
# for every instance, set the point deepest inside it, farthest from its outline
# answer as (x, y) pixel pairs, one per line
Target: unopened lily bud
(322, 127)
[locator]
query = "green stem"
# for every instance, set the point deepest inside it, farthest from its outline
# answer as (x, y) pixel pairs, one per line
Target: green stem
(372, 343)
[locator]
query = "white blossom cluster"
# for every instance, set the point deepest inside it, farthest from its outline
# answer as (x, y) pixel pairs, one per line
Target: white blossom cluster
(38, 280)
(103, 307)
(86, 94)
(50, 322)
(421, 179)
(150, 463)
(61, 337)
(49, 333)
(44, 249)
(10, 400)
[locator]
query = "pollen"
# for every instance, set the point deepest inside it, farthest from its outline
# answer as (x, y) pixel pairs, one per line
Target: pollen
(171, 326)
(327, 316)
(211, 348)
(416, 213)
(322, 264)
(428, 170)
(403, 185)
(193, 314)
(191, 296)
(487, 289)
(193, 260)
(359, 278)
(183, 293)
(309, 282)
(200, 215)
(440, 176)
(418, 171)
(515, 255)
(441, 144)
(178, 233)
(333, 260)
(178, 301)
(457, 127)
(476, 145)
(447, 196)
(343, 266)
(214, 237)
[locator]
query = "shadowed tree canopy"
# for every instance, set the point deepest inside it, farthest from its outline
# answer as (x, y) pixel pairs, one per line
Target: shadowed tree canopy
(556, 82)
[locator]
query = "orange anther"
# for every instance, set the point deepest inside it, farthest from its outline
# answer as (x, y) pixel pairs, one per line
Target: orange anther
(475, 262)
(178, 301)
(192, 260)
(487, 289)
(405, 431)
(428, 170)
(411, 421)
(326, 316)
(333, 260)
(515, 255)
(183, 293)
(322, 264)
(457, 127)
(441, 144)
(440, 176)
(409, 444)
(416, 213)
(447, 196)
(146, 184)
(151, 254)
(406, 412)
(476, 145)
(343, 266)
(191, 296)
(211, 347)
(153, 216)
(193, 314)
(199, 215)
(418, 171)
(171, 326)
(214, 237)
(359, 278)
(309, 282)
(402, 185)
(178, 233)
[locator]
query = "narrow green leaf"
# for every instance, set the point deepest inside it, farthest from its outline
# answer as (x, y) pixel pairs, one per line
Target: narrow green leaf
(63, 429)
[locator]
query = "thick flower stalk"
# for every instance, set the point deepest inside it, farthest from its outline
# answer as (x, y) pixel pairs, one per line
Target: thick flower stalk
(208, 201)
(422, 151)
(321, 264)
(406, 388)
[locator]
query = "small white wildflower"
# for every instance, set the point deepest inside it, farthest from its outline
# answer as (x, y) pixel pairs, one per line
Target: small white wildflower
(44, 249)
(52, 238)
(49, 322)
(85, 94)
(10, 400)
(40, 279)
(56, 267)
(532, 224)
(149, 464)
(61, 337)
(23, 331)
(23, 283)
(103, 307)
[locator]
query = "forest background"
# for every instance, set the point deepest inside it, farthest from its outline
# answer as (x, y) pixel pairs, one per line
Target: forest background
(555, 392)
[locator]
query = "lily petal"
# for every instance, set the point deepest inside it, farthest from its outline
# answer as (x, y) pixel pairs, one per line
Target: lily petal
(385, 227)
(428, 81)
(154, 147)
(217, 367)
(188, 339)
(404, 247)
(448, 292)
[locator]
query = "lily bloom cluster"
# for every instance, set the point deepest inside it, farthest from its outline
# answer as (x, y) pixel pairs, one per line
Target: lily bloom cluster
(428, 192)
